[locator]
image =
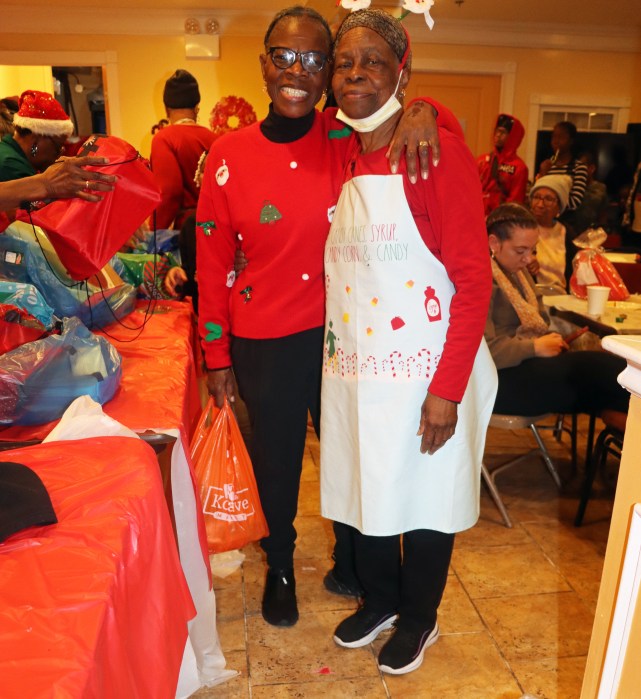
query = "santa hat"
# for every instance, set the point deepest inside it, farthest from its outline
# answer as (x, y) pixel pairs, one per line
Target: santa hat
(559, 184)
(42, 114)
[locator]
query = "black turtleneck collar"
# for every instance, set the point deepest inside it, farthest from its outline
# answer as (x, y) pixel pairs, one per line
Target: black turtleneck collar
(281, 129)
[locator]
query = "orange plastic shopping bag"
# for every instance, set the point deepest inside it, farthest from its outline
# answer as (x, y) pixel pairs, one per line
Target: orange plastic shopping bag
(228, 491)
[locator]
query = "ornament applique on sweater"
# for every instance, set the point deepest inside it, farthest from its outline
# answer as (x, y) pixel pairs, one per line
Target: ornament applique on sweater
(269, 213)
(207, 226)
(214, 332)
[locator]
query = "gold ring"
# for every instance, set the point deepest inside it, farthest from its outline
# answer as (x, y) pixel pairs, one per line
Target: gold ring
(87, 185)
(423, 144)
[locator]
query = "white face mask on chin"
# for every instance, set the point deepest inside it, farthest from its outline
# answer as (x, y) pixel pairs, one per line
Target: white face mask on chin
(380, 116)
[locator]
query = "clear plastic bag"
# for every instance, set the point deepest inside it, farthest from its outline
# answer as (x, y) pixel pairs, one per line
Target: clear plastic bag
(591, 267)
(40, 379)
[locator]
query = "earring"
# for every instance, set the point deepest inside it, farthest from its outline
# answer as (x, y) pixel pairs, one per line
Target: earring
(264, 87)
(324, 95)
(34, 150)
(401, 94)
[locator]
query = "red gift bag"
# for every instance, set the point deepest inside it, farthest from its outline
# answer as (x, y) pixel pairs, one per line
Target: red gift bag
(228, 491)
(87, 234)
(591, 267)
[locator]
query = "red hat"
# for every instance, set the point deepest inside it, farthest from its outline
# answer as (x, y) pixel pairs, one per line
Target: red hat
(42, 114)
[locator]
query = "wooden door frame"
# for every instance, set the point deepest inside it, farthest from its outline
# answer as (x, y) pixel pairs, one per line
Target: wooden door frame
(507, 71)
(108, 60)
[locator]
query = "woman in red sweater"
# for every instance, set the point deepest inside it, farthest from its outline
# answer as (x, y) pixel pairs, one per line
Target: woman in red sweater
(271, 189)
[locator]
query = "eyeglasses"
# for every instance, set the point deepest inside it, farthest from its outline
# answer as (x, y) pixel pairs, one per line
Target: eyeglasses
(312, 61)
(56, 144)
(545, 198)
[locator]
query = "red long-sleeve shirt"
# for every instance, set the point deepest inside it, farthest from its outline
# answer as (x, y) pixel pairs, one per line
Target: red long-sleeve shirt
(175, 152)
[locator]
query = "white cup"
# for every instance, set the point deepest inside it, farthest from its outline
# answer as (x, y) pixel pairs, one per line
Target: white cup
(597, 298)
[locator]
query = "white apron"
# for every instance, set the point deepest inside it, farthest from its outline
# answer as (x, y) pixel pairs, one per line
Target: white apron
(388, 301)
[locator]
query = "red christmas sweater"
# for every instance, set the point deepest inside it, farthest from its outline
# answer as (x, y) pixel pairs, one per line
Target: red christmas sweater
(175, 152)
(448, 212)
(274, 200)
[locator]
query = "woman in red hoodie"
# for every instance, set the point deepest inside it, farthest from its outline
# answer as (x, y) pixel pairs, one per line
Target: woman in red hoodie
(503, 174)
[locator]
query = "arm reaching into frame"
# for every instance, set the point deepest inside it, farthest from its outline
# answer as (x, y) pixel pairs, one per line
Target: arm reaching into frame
(64, 179)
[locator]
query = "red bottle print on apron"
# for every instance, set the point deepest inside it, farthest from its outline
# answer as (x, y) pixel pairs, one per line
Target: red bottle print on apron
(432, 305)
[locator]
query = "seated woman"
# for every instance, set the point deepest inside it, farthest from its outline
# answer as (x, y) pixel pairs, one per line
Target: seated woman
(536, 372)
(552, 265)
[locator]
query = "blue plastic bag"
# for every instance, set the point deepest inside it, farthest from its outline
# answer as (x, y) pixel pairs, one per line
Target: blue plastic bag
(27, 297)
(40, 379)
(22, 260)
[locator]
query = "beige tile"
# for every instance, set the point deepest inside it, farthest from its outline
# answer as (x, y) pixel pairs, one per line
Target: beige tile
(567, 545)
(538, 626)
(304, 652)
(315, 538)
(457, 613)
(490, 530)
(458, 666)
(524, 595)
(253, 552)
(551, 678)
(231, 633)
(311, 469)
(337, 689)
(310, 593)
(506, 570)
(309, 499)
(567, 550)
(229, 603)
(586, 585)
(236, 688)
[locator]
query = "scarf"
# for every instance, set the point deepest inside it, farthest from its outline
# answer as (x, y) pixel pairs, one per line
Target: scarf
(527, 309)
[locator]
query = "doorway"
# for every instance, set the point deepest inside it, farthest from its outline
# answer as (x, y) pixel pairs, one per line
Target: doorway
(80, 91)
(474, 98)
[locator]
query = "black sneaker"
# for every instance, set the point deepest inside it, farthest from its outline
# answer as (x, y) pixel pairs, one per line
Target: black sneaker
(362, 627)
(279, 599)
(334, 584)
(405, 649)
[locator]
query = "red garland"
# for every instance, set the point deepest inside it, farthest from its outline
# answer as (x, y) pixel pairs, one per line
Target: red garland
(226, 108)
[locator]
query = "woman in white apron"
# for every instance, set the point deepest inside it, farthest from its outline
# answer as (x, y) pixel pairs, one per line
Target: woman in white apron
(408, 382)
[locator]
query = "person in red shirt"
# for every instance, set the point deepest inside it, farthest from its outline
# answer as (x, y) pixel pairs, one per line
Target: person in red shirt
(176, 150)
(271, 188)
(503, 174)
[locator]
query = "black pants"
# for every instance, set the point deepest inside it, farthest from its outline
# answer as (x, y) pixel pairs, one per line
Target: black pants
(410, 582)
(279, 381)
(572, 382)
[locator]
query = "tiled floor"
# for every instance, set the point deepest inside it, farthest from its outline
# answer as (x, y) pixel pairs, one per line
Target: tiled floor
(515, 620)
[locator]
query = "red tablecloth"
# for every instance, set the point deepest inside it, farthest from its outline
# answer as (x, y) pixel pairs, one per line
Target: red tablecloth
(158, 387)
(158, 392)
(97, 605)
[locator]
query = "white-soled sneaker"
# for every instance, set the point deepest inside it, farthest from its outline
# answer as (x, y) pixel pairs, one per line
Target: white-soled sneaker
(404, 651)
(362, 627)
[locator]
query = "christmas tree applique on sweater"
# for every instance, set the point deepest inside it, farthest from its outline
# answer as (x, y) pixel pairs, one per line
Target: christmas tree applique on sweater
(269, 213)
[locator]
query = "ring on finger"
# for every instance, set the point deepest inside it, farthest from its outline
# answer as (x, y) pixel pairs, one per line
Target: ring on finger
(423, 144)
(87, 185)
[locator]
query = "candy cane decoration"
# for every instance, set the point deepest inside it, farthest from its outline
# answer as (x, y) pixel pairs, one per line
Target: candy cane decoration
(351, 364)
(396, 354)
